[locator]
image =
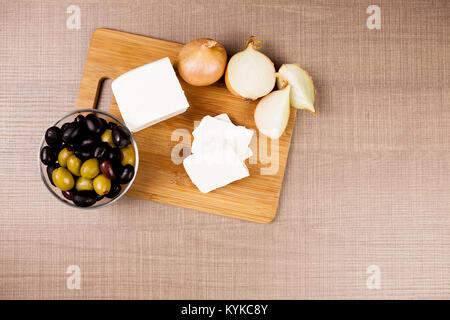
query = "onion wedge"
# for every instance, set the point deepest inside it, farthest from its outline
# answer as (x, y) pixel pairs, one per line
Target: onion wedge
(272, 113)
(302, 91)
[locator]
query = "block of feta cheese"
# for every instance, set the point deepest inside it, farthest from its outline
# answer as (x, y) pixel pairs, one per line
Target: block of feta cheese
(218, 153)
(149, 94)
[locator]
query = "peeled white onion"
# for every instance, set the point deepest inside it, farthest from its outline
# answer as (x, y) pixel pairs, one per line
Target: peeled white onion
(272, 113)
(302, 91)
(250, 73)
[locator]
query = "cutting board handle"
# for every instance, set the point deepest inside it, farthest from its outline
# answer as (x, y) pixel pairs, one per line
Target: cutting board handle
(88, 97)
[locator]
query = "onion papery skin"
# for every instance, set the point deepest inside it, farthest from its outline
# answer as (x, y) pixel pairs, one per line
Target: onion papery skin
(202, 62)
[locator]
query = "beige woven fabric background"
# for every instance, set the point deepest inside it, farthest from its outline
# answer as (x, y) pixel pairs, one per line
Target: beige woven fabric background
(367, 181)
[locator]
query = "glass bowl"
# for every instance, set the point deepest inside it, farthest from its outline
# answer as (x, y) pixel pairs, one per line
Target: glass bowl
(55, 191)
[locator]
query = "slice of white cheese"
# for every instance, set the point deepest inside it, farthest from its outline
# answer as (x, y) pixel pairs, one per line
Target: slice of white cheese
(248, 153)
(223, 117)
(219, 151)
(221, 129)
(215, 168)
(149, 94)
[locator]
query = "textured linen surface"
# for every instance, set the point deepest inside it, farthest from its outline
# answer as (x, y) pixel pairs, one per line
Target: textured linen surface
(367, 179)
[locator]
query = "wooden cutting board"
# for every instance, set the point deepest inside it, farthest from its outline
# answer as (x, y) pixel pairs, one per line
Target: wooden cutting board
(255, 198)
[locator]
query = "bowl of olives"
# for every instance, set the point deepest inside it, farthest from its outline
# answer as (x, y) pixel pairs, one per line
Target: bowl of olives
(88, 159)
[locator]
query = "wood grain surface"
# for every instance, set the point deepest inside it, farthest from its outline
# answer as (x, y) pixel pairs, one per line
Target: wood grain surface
(159, 178)
(367, 180)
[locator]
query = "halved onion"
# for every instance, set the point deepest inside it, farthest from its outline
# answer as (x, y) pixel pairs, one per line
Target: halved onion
(302, 91)
(272, 113)
(250, 73)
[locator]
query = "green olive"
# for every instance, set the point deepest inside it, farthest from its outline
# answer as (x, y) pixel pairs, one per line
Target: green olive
(84, 184)
(74, 165)
(128, 156)
(107, 137)
(102, 185)
(90, 169)
(63, 155)
(63, 179)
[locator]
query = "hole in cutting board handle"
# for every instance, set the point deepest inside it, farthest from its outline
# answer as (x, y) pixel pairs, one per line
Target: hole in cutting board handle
(104, 95)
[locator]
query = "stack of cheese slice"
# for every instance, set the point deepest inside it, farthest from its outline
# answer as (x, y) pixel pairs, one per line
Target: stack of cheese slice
(218, 153)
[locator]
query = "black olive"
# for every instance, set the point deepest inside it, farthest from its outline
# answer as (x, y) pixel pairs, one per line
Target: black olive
(117, 167)
(83, 153)
(114, 191)
(127, 174)
(72, 146)
(50, 169)
(112, 125)
(72, 133)
(93, 124)
(79, 118)
(62, 146)
(84, 133)
(120, 137)
(84, 198)
(101, 150)
(99, 197)
(104, 124)
(53, 137)
(114, 155)
(89, 142)
(68, 194)
(64, 126)
(48, 155)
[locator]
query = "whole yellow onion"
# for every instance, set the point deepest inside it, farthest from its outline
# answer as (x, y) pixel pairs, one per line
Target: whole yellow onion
(202, 62)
